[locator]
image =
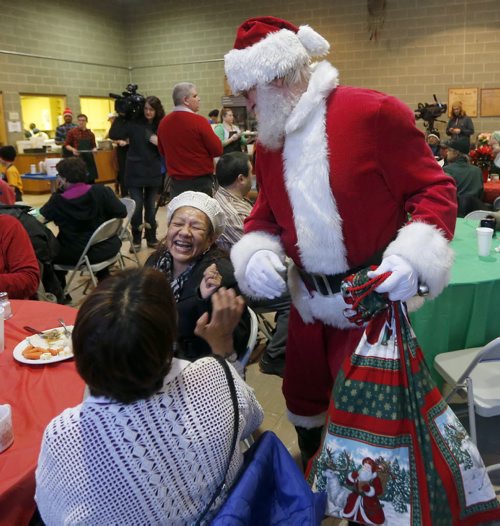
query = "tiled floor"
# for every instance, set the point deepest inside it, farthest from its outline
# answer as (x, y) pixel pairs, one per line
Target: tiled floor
(268, 388)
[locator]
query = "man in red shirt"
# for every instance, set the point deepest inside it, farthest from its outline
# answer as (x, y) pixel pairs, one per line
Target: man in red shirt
(188, 144)
(80, 141)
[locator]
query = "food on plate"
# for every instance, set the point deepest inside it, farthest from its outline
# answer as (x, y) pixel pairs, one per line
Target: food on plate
(35, 353)
(53, 344)
(53, 335)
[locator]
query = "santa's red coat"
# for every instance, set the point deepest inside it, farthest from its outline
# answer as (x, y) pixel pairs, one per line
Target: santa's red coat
(354, 177)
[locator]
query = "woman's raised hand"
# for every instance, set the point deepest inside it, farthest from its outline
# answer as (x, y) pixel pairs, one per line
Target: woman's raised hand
(217, 329)
(210, 282)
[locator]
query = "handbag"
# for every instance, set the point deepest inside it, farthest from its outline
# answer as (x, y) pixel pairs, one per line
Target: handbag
(392, 451)
(271, 489)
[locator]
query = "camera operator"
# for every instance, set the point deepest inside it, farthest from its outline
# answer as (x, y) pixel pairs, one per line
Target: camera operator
(143, 166)
(460, 125)
(121, 151)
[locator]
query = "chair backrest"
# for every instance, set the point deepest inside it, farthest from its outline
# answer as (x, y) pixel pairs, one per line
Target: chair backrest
(106, 230)
(252, 339)
(496, 203)
(477, 214)
(489, 353)
(130, 206)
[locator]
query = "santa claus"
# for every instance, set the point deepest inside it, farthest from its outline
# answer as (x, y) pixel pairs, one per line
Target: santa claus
(362, 504)
(333, 199)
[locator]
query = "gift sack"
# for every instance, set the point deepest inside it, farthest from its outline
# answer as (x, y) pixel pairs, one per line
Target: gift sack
(392, 451)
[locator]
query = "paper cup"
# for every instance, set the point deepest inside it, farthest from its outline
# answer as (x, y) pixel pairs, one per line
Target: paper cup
(32, 168)
(6, 433)
(484, 236)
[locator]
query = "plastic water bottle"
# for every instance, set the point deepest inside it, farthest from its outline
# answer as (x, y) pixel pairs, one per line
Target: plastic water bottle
(5, 304)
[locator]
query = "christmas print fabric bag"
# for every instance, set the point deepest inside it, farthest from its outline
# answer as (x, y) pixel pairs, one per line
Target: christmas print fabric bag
(392, 451)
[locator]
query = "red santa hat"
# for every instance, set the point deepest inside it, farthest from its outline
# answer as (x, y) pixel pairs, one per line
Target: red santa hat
(267, 48)
(67, 111)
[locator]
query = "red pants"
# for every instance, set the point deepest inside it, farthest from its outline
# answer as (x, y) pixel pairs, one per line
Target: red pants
(314, 354)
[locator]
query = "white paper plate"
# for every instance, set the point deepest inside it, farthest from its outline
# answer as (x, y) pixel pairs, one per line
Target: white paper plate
(19, 348)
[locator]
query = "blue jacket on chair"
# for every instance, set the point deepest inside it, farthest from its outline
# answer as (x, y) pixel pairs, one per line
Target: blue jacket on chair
(271, 490)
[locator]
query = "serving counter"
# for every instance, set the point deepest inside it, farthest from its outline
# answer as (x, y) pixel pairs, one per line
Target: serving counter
(105, 161)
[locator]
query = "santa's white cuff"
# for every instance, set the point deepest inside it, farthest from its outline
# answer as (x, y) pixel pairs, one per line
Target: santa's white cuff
(246, 247)
(428, 251)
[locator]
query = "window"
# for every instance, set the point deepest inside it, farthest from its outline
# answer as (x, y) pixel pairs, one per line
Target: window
(97, 110)
(45, 111)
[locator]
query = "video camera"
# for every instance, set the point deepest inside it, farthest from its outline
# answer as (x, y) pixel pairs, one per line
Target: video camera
(129, 104)
(430, 113)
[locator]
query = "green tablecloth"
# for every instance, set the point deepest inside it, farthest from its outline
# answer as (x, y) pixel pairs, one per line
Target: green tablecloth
(466, 314)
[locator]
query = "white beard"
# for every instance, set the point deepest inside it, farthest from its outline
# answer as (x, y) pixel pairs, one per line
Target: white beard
(273, 105)
(365, 474)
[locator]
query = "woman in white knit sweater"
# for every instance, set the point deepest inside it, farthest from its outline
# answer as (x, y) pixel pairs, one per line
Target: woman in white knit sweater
(152, 443)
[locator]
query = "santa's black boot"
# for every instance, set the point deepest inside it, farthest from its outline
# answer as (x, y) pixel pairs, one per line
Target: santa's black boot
(309, 441)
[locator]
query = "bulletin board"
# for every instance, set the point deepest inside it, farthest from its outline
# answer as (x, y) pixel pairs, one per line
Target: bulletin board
(468, 98)
(490, 102)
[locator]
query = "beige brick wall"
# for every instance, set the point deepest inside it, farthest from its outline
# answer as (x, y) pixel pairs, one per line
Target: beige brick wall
(74, 35)
(424, 47)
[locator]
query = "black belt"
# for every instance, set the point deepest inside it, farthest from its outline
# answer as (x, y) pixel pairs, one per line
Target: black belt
(329, 284)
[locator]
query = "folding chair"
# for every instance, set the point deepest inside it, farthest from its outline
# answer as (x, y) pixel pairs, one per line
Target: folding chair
(108, 229)
(265, 326)
(496, 203)
(241, 363)
(125, 234)
(477, 215)
(477, 371)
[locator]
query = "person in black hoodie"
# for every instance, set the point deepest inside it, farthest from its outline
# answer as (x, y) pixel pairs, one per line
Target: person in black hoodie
(78, 208)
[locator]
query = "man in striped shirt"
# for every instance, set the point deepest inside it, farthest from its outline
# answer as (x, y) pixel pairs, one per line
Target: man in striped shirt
(234, 175)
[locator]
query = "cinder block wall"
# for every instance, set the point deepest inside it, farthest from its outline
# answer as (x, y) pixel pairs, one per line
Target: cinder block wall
(85, 43)
(423, 48)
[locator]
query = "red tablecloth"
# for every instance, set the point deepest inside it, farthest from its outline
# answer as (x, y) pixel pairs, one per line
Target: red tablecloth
(491, 191)
(36, 393)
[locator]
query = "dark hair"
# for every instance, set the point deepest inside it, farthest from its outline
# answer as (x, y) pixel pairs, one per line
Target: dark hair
(82, 115)
(229, 166)
(156, 104)
(225, 111)
(124, 334)
(8, 153)
(73, 169)
(214, 113)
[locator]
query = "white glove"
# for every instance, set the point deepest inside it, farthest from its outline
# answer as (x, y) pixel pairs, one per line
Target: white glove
(402, 284)
(263, 274)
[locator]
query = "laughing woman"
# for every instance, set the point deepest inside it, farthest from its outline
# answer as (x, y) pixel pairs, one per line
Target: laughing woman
(196, 268)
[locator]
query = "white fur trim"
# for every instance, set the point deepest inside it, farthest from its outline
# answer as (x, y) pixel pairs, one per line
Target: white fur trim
(371, 491)
(309, 422)
(307, 178)
(245, 248)
(315, 44)
(273, 57)
(313, 306)
(426, 248)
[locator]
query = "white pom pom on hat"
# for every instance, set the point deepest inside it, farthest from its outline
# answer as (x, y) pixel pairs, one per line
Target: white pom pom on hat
(203, 202)
(267, 48)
